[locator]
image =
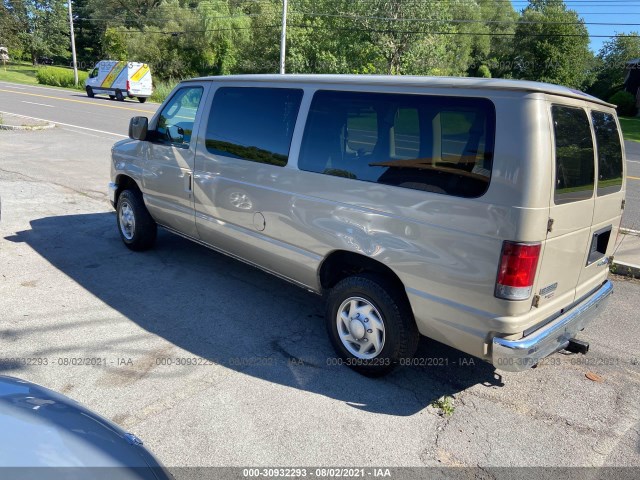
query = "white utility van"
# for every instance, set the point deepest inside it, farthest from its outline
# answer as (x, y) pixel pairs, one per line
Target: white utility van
(120, 79)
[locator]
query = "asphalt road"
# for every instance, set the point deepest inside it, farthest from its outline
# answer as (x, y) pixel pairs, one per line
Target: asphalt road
(631, 216)
(214, 363)
(72, 109)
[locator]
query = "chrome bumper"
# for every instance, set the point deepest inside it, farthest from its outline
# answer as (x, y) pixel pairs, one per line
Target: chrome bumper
(519, 355)
(113, 188)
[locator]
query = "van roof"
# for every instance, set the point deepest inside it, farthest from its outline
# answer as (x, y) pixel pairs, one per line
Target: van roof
(416, 81)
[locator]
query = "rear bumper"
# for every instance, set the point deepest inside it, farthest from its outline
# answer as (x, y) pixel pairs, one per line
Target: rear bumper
(518, 355)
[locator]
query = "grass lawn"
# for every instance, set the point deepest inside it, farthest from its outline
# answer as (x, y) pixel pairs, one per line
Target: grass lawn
(630, 128)
(19, 73)
(25, 73)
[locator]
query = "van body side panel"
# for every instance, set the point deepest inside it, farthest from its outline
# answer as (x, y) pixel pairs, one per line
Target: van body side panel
(245, 207)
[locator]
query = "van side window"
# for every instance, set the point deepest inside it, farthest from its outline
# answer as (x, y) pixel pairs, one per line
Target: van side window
(609, 153)
(424, 142)
(254, 124)
(574, 154)
(175, 124)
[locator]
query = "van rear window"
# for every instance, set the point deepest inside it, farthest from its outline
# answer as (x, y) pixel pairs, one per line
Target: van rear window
(574, 154)
(433, 143)
(609, 153)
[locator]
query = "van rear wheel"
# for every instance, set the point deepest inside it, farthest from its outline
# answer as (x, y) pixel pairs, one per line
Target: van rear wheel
(142, 99)
(90, 93)
(370, 324)
(119, 96)
(137, 228)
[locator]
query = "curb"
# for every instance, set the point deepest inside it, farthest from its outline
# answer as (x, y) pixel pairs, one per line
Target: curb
(628, 231)
(625, 269)
(27, 127)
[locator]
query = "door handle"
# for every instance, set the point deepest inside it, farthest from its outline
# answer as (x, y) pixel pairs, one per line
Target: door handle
(188, 181)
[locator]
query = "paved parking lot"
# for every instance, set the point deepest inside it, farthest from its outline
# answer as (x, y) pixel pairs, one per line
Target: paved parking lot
(214, 363)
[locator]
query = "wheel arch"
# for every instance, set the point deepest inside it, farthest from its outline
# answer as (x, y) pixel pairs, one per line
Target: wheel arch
(125, 182)
(341, 264)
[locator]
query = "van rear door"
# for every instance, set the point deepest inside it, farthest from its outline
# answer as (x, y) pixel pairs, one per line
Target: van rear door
(571, 204)
(584, 205)
(609, 196)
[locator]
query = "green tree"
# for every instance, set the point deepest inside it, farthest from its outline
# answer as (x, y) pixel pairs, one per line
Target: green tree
(8, 27)
(551, 44)
(612, 62)
(184, 41)
(43, 27)
(501, 20)
(114, 45)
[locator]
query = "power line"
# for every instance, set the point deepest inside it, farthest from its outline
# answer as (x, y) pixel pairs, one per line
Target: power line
(430, 20)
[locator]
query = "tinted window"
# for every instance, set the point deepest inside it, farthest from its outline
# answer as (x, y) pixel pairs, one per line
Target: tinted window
(609, 153)
(175, 124)
(431, 143)
(574, 154)
(253, 123)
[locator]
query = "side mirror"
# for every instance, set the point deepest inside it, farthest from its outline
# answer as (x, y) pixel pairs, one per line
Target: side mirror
(175, 134)
(138, 127)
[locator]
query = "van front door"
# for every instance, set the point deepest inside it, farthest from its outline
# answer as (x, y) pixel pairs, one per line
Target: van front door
(168, 168)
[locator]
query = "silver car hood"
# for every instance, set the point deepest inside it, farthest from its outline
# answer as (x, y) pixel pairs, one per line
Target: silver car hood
(42, 428)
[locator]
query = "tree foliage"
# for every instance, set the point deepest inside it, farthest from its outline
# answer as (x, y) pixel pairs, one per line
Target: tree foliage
(612, 63)
(38, 27)
(551, 44)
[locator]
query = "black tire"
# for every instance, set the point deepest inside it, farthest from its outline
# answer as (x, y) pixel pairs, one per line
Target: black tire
(401, 334)
(90, 93)
(142, 99)
(141, 233)
(112, 97)
(119, 96)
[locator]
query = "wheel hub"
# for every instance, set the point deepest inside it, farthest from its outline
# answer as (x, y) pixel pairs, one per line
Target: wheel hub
(360, 327)
(357, 329)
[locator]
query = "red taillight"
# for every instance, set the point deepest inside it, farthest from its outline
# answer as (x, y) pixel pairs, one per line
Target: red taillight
(128, 89)
(517, 270)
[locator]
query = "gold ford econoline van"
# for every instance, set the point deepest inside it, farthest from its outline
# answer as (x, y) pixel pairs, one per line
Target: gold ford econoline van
(481, 213)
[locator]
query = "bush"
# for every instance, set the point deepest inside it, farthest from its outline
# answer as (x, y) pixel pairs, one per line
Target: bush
(484, 72)
(161, 90)
(625, 103)
(60, 77)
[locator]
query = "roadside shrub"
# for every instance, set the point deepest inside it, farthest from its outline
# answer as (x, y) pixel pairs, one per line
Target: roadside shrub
(60, 77)
(161, 90)
(484, 72)
(625, 103)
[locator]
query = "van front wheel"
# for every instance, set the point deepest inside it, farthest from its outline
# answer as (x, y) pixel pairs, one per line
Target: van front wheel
(137, 228)
(89, 92)
(370, 324)
(142, 99)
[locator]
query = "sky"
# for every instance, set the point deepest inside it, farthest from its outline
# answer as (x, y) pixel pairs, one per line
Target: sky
(618, 13)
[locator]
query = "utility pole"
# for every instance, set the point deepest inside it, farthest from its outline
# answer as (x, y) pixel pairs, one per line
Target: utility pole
(73, 46)
(283, 36)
